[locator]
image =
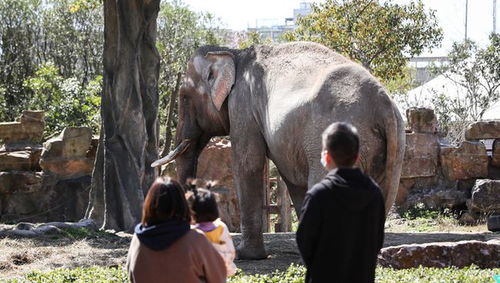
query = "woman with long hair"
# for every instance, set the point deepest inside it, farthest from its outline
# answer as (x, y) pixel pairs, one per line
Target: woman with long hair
(164, 248)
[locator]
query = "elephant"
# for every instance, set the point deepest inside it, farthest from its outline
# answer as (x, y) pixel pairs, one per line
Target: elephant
(274, 101)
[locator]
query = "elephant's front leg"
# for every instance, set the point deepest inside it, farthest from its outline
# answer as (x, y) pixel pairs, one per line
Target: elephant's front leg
(248, 169)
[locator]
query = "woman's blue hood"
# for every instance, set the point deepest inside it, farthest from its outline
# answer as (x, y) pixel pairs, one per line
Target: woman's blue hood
(161, 236)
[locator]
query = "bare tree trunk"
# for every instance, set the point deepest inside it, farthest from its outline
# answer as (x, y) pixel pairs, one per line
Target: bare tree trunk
(129, 111)
(170, 117)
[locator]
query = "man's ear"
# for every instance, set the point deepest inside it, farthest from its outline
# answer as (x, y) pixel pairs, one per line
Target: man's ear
(328, 158)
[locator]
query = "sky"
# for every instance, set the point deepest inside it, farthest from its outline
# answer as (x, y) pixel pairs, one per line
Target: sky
(241, 14)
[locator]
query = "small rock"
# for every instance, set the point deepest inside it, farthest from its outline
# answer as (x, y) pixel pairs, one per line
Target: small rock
(24, 226)
(495, 155)
(87, 224)
(483, 130)
(467, 219)
(46, 229)
(494, 223)
(486, 196)
(21, 233)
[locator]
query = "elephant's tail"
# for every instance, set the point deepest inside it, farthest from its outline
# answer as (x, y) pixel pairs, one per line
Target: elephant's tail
(395, 142)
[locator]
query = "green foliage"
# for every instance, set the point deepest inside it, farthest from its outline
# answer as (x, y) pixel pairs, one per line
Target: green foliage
(50, 59)
(294, 274)
(477, 72)
(422, 219)
(399, 86)
(65, 101)
(18, 31)
(420, 211)
(252, 38)
(180, 32)
(381, 35)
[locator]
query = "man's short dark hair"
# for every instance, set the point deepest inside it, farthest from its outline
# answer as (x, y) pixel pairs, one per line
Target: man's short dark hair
(341, 140)
(204, 206)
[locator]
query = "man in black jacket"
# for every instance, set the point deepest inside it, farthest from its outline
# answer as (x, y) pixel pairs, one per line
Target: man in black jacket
(341, 227)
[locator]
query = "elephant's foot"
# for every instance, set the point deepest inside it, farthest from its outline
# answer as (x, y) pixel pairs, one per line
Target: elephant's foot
(244, 251)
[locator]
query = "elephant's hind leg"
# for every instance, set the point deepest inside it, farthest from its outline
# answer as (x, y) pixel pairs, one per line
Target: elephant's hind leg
(297, 194)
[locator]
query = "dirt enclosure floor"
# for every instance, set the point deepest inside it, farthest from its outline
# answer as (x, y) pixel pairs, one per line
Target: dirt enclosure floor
(22, 255)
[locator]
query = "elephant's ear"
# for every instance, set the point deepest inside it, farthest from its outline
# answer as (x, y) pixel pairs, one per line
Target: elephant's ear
(221, 76)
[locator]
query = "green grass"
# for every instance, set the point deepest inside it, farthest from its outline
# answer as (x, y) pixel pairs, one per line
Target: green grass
(82, 233)
(422, 219)
(90, 274)
(294, 274)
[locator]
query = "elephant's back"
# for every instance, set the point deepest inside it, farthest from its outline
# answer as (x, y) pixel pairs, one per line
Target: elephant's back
(296, 55)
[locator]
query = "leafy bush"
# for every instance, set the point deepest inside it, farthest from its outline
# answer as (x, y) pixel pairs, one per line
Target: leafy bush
(66, 101)
(294, 274)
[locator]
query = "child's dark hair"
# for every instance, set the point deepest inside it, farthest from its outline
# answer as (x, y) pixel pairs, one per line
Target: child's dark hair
(204, 205)
(341, 140)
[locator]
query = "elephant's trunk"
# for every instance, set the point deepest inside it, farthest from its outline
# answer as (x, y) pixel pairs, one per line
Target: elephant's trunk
(186, 166)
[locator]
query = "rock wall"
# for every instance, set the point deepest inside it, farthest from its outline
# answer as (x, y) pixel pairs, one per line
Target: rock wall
(44, 183)
(441, 175)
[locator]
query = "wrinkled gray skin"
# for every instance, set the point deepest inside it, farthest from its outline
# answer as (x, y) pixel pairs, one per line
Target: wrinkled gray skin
(275, 101)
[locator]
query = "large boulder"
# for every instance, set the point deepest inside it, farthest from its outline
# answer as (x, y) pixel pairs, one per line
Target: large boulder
(421, 156)
(28, 128)
(39, 197)
(467, 161)
(70, 199)
(444, 254)
(214, 164)
(66, 155)
(20, 182)
(495, 154)
(421, 120)
(486, 196)
(483, 130)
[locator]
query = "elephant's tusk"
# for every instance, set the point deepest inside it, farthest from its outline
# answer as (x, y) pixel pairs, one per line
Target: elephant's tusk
(180, 149)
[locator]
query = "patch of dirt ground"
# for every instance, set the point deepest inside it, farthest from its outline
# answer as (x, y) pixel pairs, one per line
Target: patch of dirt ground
(22, 255)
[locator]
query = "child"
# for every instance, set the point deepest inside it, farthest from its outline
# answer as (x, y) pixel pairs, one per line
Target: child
(205, 214)
(341, 227)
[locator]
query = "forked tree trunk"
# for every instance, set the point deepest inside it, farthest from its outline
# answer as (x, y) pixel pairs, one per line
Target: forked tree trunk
(129, 111)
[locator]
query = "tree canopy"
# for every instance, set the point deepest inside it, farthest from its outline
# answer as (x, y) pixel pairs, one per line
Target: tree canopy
(51, 57)
(381, 35)
(477, 71)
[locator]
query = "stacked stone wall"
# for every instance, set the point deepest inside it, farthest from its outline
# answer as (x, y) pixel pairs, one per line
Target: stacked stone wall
(439, 175)
(48, 182)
